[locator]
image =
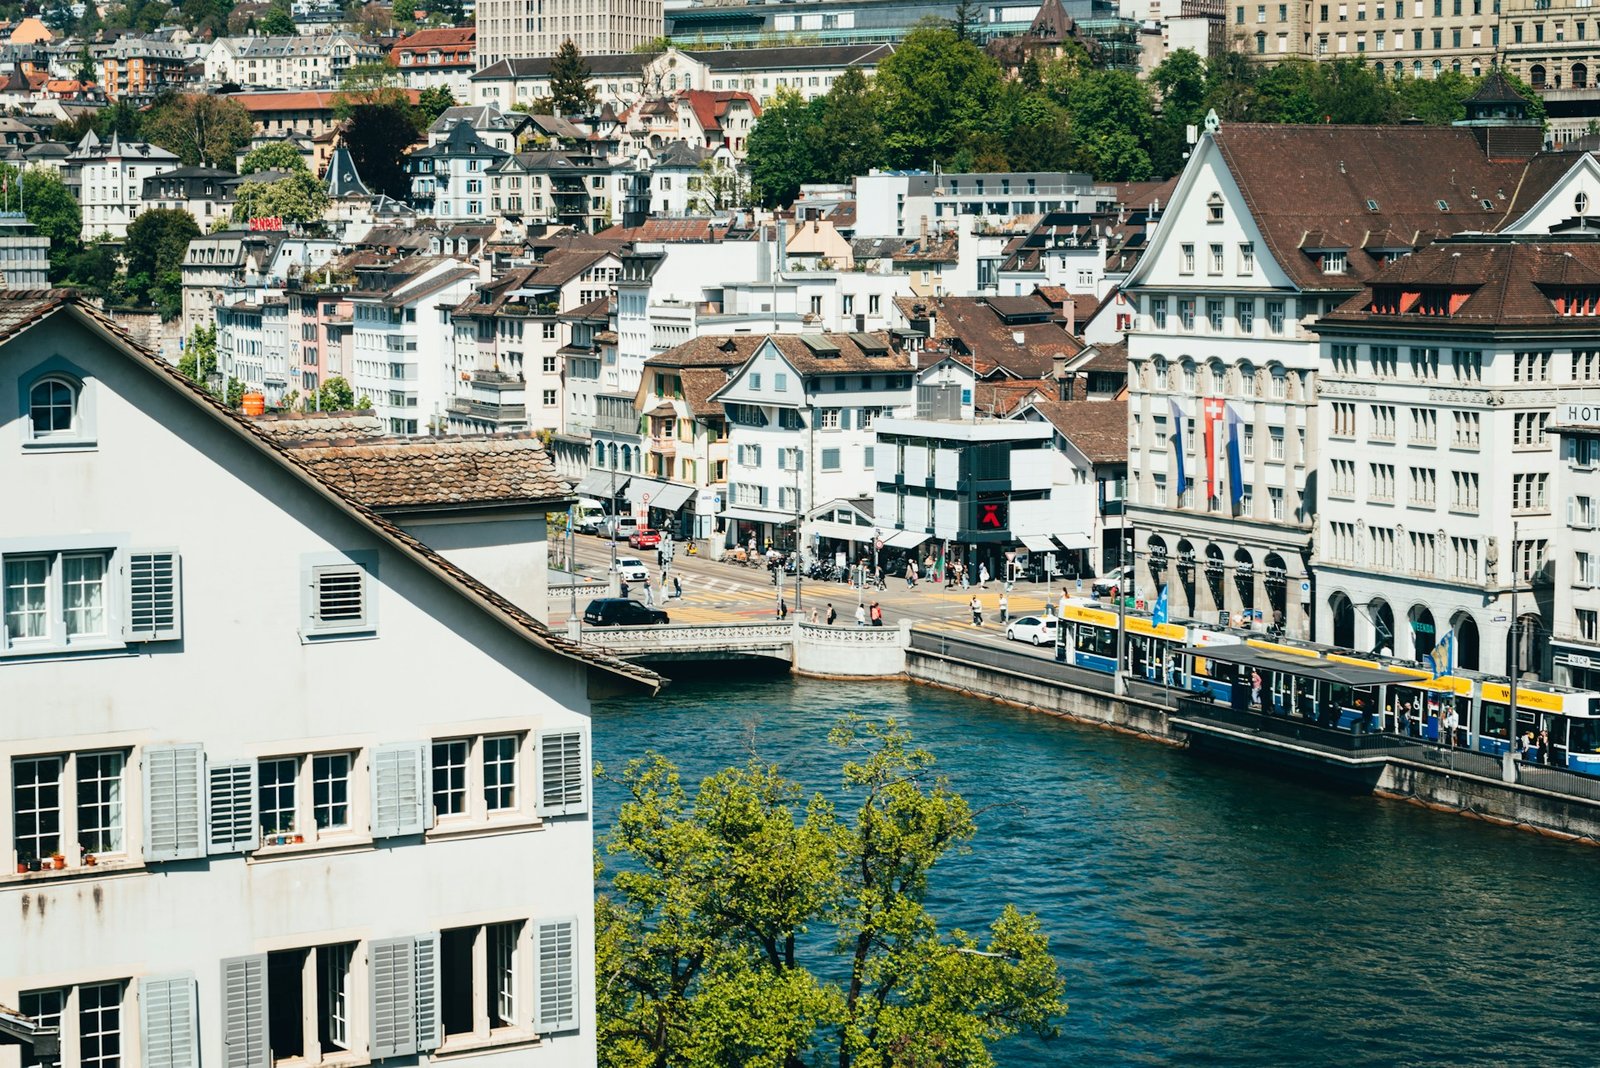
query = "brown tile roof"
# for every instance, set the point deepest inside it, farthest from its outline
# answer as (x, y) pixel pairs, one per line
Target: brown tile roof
(1313, 183)
(1098, 428)
(22, 309)
(1496, 282)
(689, 229)
(293, 427)
(598, 310)
(709, 350)
(851, 357)
(1001, 397)
(699, 384)
(1109, 357)
(398, 473)
(1021, 336)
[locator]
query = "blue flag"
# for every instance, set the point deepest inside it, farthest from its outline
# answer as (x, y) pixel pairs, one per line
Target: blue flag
(1235, 455)
(1178, 421)
(1443, 657)
(1159, 615)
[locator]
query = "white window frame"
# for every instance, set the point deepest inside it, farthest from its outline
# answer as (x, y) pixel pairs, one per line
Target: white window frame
(125, 600)
(81, 434)
(305, 830)
(479, 757)
(316, 569)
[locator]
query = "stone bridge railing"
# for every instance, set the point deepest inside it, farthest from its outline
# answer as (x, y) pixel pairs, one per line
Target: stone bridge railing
(811, 648)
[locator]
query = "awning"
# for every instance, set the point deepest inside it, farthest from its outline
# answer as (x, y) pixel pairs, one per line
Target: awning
(832, 528)
(667, 496)
(1037, 543)
(1074, 540)
(757, 515)
(599, 483)
(905, 539)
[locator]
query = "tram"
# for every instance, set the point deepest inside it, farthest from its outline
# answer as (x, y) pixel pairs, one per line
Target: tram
(1335, 687)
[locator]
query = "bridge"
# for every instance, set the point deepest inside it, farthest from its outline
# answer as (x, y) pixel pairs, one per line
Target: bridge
(807, 647)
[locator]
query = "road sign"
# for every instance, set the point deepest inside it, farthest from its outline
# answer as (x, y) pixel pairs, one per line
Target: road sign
(1305, 591)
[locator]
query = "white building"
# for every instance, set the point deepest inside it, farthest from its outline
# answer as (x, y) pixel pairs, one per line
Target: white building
(110, 180)
(509, 29)
(221, 765)
(402, 345)
(305, 61)
(800, 417)
(1257, 242)
(1575, 615)
(899, 203)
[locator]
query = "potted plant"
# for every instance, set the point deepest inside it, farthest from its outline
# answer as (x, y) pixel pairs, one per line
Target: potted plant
(57, 861)
(22, 864)
(88, 860)
(33, 864)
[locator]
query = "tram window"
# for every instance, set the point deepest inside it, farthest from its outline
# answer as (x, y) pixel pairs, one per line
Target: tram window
(1097, 640)
(1340, 696)
(1494, 720)
(1585, 736)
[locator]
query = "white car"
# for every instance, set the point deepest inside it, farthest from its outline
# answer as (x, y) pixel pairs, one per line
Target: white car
(1039, 630)
(631, 569)
(1109, 584)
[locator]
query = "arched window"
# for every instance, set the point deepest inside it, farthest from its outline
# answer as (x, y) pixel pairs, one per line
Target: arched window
(1536, 75)
(1219, 378)
(612, 453)
(599, 454)
(627, 458)
(1190, 379)
(1247, 379)
(1214, 208)
(53, 407)
(1580, 76)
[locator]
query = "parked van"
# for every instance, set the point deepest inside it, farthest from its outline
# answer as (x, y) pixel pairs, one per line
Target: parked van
(618, 527)
(587, 516)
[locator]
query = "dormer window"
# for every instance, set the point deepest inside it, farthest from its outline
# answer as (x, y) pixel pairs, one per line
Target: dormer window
(1577, 301)
(1372, 205)
(1333, 262)
(1580, 203)
(1214, 208)
(53, 408)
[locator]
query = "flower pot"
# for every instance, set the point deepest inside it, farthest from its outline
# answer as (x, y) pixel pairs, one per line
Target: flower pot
(299, 839)
(58, 863)
(22, 866)
(33, 865)
(89, 860)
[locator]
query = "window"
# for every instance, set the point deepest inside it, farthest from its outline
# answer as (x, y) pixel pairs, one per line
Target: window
(829, 418)
(1585, 572)
(276, 789)
(1381, 485)
(1382, 541)
(1343, 481)
(53, 408)
(1529, 430)
(500, 773)
(1383, 420)
(1245, 313)
(1531, 367)
(1158, 312)
(1588, 622)
(301, 799)
(1186, 260)
(1275, 316)
(100, 1025)
(1528, 492)
(1214, 207)
(1425, 363)
(478, 999)
(1186, 312)
(292, 1004)
(549, 365)
(1385, 360)
(1275, 502)
(1424, 483)
(1344, 359)
(790, 460)
(1585, 365)
(563, 787)
(1214, 314)
(1466, 429)
(450, 778)
(338, 595)
(1424, 553)
(1344, 419)
(1216, 259)
(330, 791)
(1581, 512)
(1333, 262)
(1424, 426)
(58, 600)
(1247, 258)
(1528, 557)
(1464, 558)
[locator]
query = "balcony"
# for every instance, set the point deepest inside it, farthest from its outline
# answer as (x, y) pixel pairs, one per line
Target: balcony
(498, 413)
(664, 446)
(400, 343)
(617, 424)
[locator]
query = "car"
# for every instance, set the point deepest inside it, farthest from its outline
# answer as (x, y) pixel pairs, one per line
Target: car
(632, 569)
(644, 538)
(1108, 584)
(622, 612)
(617, 527)
(1039, 630)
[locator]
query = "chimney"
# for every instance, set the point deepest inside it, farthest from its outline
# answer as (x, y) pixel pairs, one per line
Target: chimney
(485, 270)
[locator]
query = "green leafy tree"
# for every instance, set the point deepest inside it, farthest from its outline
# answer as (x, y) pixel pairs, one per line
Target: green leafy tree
(95, 270)
(405, 11)
(335, 395)
(52, 210)
(964, 20)
(934, 93)
(298, 197)
(707, 942)
(1111, 125)
(1231, 87)
(849, 140)
(234, 394)
(122, 119)
(274, 156)
(157, 241)
(570, 90)
(367, 79)
(201, 129)
(433, 102)
(377, 134)
(782, 148)
(278, 21)
(88, 71)
(199, 360)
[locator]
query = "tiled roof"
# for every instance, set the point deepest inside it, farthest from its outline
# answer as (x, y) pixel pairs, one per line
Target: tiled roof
(605, 65)
(412, 472)
(293, 427)
(307, 100)
(709, 350)
(699, 385)
(804, 357)
(1098, 428)
(1019, 335)
(706, 228)
(21, 309)
(1315, 183)
(710, 107)
(1108, 357)
(1001, 397)
(453, 44)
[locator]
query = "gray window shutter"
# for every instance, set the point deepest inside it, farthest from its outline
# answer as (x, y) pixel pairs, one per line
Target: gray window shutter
(244, 1013)
(555, 986)
(232, 825)
(172, 802)
(393, 985)
(429, 1027)
(844, 418)
(399, 790)
(563, 774)
(167, 1021)
(155, 609)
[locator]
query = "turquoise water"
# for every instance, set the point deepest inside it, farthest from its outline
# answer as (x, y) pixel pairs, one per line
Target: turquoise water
(1203, 914)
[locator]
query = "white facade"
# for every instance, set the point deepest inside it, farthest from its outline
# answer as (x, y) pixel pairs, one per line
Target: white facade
(111, 183)
(1575, 619)
(303, 723)
(510, 29)
(1218, 320)
(305, 61)
(403, 346)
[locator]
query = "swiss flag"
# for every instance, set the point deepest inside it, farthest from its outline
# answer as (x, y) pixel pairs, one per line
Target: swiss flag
(1213, 409)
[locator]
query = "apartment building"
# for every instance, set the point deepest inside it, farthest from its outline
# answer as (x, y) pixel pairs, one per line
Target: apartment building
(510, 30)
(1269, 228)
(134, 67)
(1575, 612)
(441, 56)
(305, 61)
(194, 866)
(1414, 38)
(251, 265)
(204, 192)
(110, 177)
(402, 339)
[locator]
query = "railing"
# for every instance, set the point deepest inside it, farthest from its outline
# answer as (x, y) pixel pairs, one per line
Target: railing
(1289, 727)
(665, 446)
(485, 410)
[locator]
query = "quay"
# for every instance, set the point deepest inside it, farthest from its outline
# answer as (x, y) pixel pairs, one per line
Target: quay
(1550, 801)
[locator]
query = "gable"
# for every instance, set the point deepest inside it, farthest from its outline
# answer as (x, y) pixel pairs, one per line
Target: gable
(1576, 193)
(759, 382)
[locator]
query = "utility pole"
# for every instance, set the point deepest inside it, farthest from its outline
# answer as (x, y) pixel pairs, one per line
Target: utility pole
(1516, 645)
(612, 582)
(574, 624)
(1119, 684)
(799, 555)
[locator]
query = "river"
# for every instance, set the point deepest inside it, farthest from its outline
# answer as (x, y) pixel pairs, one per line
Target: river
(1202, 913)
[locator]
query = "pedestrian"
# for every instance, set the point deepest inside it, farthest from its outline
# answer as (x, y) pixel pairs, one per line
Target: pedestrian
(649, 597)
(961, 570)
(877, 615)
(977, 611)
(1451, 721)
(783, 608)
(1005, 609)
(861, 614)
(1545, 755)
(983, 576)
(1255, 688)
(832, 615)
(911, 574)
(624, 587)
(1061, 607)
(677, 587)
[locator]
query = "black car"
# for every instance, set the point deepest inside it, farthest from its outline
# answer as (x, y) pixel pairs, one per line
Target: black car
(621, 612)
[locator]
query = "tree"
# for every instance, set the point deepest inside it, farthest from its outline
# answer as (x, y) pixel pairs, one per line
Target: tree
(433, 102)
(278, 21)
(233, 396)
(848, 139)
(157, 241)
(335, 395)
(934, 92)
(273, 156)
(200, 129)
(87, 71)
(377, 135)
(781, 149)
(52, 210)
(1111, 125)
(94, 270)
(405, 11)
(704, 944)
(570, 90)
(297, 197)
(964, 20)
(199, 360)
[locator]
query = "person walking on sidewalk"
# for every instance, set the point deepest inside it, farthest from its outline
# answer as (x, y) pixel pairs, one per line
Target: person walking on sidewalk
(832, 615)
(877, 615)
(977, 611)
(983, 576)
(1005, 609)
(861, 614)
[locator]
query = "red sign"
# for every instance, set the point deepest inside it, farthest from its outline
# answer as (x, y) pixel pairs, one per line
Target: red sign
(267, 222)
(992, 516)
